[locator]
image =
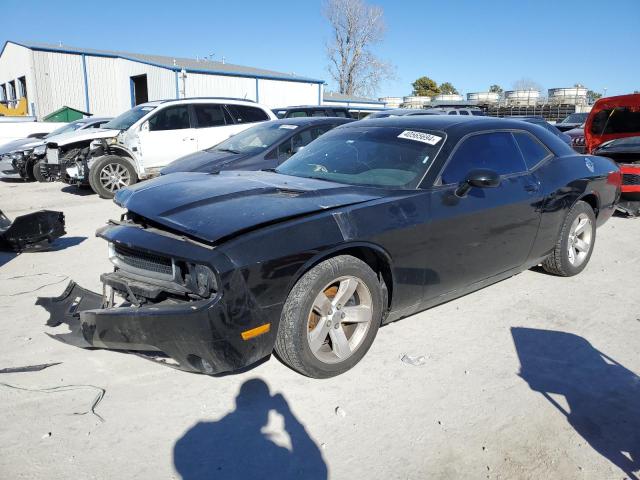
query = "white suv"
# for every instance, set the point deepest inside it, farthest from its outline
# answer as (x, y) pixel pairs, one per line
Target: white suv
(152, 135)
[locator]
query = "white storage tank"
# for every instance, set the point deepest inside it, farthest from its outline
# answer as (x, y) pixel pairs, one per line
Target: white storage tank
(568, 96)
(483, 97)
(391, 102)
(448, 97)
(415, 101)
(522, 97)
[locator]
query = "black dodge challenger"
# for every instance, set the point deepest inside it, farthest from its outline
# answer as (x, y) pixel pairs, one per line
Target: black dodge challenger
(372, 222)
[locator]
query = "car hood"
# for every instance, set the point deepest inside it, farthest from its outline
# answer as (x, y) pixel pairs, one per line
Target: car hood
(213, 207)
(22, 144)
(204, 161)
(82, 135)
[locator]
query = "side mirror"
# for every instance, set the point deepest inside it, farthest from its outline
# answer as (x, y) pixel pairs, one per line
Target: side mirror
(144, 127)
(481, 178)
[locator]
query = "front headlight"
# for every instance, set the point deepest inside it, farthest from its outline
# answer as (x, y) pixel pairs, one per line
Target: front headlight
(39, 150)
(16, 155)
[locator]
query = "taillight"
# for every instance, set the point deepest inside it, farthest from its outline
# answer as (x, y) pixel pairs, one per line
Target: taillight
(615, 178)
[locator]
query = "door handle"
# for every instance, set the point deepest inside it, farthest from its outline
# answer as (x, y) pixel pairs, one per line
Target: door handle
(532, 187)
(187, 138)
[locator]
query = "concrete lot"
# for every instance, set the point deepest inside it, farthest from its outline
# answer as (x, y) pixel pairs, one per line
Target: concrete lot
(530, 378)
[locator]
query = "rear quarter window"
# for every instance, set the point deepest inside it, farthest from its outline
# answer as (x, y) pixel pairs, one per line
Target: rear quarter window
(532, 150)
(247, 114)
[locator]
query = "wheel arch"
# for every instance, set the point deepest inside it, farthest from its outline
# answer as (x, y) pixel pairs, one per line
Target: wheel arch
(593, 199)
(373, 255)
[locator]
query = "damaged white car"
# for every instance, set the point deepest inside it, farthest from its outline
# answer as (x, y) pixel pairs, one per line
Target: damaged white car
(138, 143)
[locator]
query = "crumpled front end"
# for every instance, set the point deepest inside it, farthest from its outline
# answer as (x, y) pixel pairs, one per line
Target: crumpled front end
(172, 300)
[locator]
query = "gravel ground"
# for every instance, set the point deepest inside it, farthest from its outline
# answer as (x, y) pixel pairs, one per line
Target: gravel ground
(529, 378)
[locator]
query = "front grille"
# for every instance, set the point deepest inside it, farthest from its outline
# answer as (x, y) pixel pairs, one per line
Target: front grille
(143, 261)
(630, 179)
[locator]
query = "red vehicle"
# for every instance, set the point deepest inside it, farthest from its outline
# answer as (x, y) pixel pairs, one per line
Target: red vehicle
(610, 120)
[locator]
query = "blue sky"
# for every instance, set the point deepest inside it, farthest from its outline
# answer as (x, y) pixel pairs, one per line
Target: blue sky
(471, 44)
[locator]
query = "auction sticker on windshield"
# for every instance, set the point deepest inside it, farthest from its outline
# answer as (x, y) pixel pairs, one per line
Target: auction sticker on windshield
(420, 137)
(288, 127)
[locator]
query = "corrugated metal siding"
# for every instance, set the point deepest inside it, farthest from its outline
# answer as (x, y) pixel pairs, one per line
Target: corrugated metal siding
(203, 85)
(276, 93)
(15, 63)
(108, 93)
(110, 84)
(161, 82)
(59, 81)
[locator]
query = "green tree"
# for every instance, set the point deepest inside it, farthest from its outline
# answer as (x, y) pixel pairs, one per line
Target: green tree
(425, 87)
(496, 89)
(593, 96)
(448, 88)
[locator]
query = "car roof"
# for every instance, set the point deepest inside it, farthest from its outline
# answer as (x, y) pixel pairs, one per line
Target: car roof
(461, 123)
(399, 112)
(319, 107)
(226, 100)
(304, 121)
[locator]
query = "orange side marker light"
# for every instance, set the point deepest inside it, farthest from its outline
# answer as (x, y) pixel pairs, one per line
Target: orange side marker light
(255, 332)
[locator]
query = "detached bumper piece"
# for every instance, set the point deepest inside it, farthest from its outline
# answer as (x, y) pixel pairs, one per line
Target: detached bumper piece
(196, 336)
(34, 231)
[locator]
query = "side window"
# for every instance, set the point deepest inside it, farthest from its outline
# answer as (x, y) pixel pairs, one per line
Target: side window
(170, 118)
(297, 113)
(246, 114)
(452, 112)
(210, 115)
(532, 150)
(317, 131)
(320, 113)
(339, 113)
(300, 139)
(496, 151)
(463, 112)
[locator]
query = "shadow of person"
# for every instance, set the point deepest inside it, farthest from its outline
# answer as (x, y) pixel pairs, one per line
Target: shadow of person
(602, 395)
(235, 446)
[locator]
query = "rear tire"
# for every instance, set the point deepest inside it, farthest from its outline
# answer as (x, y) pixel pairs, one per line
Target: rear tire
(109, 174)
(575, 243)
(36, 170)
(330, 318)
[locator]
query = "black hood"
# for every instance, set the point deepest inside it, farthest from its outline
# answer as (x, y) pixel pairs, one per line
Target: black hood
(205, 161)
(211, 207)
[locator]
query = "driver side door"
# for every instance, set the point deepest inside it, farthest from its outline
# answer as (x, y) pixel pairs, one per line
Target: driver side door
(486, 231)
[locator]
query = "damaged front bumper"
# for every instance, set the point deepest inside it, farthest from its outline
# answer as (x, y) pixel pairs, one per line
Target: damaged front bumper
(32, 231)
(221, 333)
(194, 336)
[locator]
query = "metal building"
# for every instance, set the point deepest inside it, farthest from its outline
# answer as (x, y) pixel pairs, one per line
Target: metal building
(107, 83)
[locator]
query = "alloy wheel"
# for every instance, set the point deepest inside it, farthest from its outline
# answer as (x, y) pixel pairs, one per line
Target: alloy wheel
(339, 319)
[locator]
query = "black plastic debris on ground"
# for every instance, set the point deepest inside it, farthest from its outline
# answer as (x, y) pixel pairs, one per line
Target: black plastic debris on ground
(33, 231)
(28, 368)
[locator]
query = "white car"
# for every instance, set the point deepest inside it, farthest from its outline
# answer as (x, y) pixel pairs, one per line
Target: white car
(152, 135)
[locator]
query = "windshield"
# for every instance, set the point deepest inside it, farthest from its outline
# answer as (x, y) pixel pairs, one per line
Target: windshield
(255, 139)
(375, 156)
(69, 127)
(576, 118)
(621, 142)
(128, 118)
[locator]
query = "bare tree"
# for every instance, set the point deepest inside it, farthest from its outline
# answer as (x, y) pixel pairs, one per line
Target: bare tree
(527, 84)
(356, 27)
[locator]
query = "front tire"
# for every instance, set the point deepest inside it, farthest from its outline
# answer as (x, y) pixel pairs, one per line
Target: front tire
(330, 318)
(575, 244)
(36, 170)
(109, 174)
